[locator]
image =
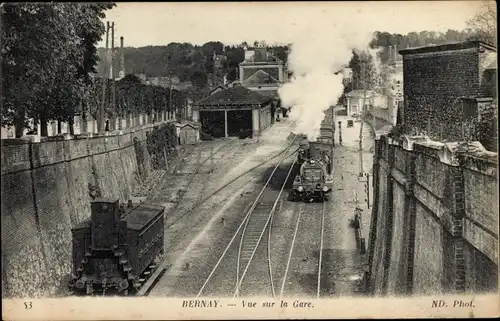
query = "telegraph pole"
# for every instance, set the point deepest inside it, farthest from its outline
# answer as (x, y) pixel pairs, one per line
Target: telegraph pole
(113, 87)
(340, 133)
(333, 140)
(104, 83)
(333, 125)
(214, 68)
(170, 88)
(170, 95)
(121, 74)
(367, 189)
(363, 71)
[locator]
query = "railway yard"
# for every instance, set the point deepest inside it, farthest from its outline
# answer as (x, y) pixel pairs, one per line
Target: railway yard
(231, 229)
(183, 168)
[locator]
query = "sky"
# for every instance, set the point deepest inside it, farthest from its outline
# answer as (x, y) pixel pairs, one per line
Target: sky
(156, 23)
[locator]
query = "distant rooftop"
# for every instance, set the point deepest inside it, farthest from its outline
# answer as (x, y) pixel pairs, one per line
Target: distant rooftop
(260, 56)
(446, 47)
(359, 93)
(234, 96)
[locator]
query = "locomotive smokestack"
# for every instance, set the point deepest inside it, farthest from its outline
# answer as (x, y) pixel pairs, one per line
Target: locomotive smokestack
(122, 59)
(129, 203)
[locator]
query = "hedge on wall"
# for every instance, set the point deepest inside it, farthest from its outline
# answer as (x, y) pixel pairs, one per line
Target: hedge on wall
(132, 97)
(161, 143)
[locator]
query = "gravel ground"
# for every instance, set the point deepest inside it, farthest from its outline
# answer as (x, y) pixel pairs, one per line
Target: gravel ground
(195, 250)
(342, 265)
(198, 239)
(342, 260)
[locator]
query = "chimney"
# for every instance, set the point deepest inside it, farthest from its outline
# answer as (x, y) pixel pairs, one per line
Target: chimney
(122, 59)
(112, 55)
(395, 52)
(390, 53)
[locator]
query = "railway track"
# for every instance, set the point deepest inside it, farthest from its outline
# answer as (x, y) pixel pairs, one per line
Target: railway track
(198, 165)
(313, 209)
(253, 227)
(162, 267)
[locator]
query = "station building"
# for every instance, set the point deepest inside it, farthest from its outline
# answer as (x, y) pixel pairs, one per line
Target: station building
(228, 111)
(262, 72)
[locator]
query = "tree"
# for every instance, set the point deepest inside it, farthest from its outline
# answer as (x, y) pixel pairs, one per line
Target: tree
(484, 24)
(210, 47)
(355, 66)
(199, 79)
(368, 74)
(90, 31)
(47, 55)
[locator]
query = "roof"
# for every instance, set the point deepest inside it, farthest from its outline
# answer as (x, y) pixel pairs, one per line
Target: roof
(261, 77)
(189, 124)
(141, 215)
(450, 46)
(244, 63)
(359, 93)
(492, 65)
(234, 96)
(217, 88)
(269, 93)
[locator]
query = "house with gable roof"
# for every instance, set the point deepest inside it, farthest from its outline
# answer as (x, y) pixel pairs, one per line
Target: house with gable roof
(262, 72)
(228, 111)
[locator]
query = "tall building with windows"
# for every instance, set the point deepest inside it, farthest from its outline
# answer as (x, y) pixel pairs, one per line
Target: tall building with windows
(262, 72)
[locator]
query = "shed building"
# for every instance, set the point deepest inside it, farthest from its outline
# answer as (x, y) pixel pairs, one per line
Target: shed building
(188, 133)
(229, 111)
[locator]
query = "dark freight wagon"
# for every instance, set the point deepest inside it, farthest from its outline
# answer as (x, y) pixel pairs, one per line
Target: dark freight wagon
(117, 247)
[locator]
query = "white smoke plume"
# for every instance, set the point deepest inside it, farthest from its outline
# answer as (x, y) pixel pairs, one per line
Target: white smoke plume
(315, 59)
(377, 63)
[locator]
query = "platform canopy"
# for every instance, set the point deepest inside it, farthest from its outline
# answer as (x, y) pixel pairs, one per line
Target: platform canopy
(233, 98)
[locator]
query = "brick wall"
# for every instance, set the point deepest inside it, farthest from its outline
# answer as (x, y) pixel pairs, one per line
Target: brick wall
(396, 283)
(432, 84)
(427, 268)
(379, 250)
(46, 190)
(481, 274)
(443, 225)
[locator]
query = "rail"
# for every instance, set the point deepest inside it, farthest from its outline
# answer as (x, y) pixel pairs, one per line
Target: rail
(244, 221)
(161, 270)
(292, 246)
(301, 209)
(320, 260)
(256, 245)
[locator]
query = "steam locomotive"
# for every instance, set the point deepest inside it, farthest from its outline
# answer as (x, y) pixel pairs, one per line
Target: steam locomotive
(313, 182)
(117, 248)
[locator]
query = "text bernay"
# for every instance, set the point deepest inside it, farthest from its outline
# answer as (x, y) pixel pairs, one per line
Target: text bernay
(200, 303)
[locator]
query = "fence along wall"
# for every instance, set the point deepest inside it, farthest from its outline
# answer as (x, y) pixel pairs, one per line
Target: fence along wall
(46, 190)
(434, 225)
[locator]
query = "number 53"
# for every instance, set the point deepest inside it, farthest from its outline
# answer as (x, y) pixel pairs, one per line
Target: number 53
(28, 305)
